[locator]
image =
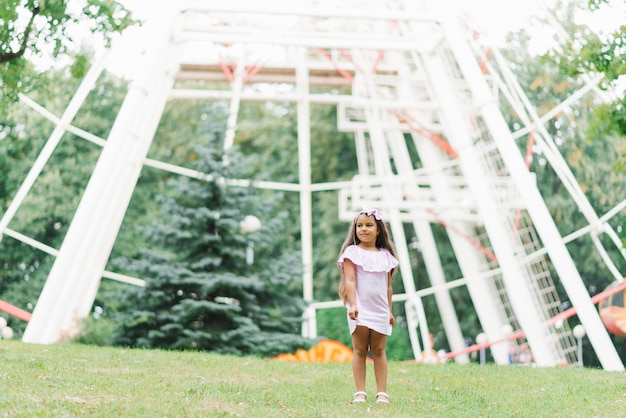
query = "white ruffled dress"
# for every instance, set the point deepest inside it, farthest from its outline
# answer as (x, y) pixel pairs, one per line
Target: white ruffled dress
(371, 287)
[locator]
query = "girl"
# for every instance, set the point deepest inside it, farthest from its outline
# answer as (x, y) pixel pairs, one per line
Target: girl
(368, 263)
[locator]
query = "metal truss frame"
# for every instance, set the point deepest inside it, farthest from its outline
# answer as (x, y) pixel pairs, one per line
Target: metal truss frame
(416, 81)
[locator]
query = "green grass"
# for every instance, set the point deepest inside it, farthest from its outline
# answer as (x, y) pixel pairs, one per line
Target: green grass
(87, 381)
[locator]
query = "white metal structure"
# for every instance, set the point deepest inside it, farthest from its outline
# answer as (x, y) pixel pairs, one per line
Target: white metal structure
(417, 88)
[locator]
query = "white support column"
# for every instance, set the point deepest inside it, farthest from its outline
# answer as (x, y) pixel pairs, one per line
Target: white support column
(382, 162)
(309, 326)
(397, 231)
(539, 213)
(520, 294)
(448, 314)
(235, 100)
(361, 152)
(412, 324)
(72, 284)
(422, 228)
(490, 317)
(558, 163)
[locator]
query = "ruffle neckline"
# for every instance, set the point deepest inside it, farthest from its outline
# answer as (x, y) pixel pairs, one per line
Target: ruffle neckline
(373, 261)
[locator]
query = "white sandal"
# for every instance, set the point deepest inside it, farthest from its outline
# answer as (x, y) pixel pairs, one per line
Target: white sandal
(382, 398)
(359, 400)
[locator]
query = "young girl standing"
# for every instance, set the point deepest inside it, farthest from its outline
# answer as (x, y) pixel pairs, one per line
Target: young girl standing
(368, 263)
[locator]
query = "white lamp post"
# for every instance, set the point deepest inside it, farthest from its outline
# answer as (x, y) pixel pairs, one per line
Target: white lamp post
(481, 339)
(579, 333)
(250, 224)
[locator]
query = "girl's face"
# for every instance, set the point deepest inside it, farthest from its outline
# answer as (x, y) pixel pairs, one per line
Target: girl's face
(366, 229)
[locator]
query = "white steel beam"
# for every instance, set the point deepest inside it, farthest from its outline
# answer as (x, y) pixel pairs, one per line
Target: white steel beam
(380, 152)
(414, 303)
(519, 292)
(558, 163)
(289, 8)
(235, 100)
(470, 263)
(72, 284)
(54, 252)
(195, 94)
(437, 278)
(309, 326)
(559, 256)
(310, 40)
(404, 167)
(422, 228)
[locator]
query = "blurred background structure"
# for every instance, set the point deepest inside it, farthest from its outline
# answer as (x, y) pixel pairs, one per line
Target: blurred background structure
(423, 97)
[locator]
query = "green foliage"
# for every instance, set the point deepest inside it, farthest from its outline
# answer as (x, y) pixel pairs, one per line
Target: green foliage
(79, 380)
(588, 52)
(607, 120)
(95, 331)
(38, 28)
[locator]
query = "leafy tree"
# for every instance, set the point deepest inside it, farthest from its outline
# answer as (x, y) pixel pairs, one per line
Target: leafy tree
(200, 293)
(588, 52)
(47, 30)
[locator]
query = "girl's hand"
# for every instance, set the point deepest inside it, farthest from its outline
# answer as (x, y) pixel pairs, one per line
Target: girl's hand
(392, 320)
(353, 312)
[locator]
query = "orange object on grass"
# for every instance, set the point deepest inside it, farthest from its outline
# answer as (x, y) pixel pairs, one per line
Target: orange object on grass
(326, 351)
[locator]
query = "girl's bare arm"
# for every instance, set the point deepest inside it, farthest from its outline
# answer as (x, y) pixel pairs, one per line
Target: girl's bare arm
(392, 318)
(349, 277)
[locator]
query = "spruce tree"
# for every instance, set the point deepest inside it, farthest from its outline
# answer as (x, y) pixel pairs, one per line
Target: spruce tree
(201, 293)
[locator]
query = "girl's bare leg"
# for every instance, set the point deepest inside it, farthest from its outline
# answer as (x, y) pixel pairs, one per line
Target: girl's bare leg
(360, 343)
(378, 344)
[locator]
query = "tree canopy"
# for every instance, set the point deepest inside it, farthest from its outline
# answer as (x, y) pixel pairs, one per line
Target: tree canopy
(587, 52)
(46, 30)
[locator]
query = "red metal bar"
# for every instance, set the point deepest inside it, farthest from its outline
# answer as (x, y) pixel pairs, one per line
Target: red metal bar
(403, 117)
(381, 53)
(251, 71)
(469, 239)
(349, 58)
(341, 71)
(379, 58)
(483, 60)
(15, 311)
(226, 69)
(520, 334)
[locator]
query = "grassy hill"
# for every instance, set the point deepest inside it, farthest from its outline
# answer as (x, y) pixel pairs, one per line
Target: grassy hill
(87, 381)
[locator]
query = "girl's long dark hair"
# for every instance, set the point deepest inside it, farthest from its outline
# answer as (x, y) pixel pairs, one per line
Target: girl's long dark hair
(382, 241)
